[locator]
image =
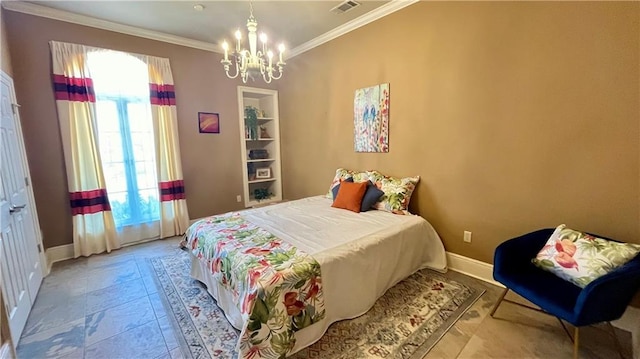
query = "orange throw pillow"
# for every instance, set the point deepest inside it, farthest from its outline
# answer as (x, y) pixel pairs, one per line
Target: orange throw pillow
(350, 195)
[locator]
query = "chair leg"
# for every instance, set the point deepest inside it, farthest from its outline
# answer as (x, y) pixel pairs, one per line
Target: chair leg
(576, 343)
(615, 339)
(495, 307)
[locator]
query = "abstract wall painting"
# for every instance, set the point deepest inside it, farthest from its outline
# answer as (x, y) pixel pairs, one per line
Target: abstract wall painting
(371, 119)
(208, 122)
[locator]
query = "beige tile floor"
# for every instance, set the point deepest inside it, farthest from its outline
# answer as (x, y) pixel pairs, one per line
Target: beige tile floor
(107, 306)
(517, 332)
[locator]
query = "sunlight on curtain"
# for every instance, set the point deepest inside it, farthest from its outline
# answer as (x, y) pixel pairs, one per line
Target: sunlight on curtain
(126, 141)
(93, 224)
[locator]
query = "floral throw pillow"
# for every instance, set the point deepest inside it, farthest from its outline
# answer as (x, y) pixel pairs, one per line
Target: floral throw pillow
(397, 192)
(343, 174)
(581, 258)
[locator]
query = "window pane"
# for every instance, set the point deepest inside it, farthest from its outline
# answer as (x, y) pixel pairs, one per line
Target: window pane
(140, 117)
(114, 175)
(119, 74)
(110, 147)
(120, 208)
(149, 205)
(127, 146)
(146, 176)
(108, 119)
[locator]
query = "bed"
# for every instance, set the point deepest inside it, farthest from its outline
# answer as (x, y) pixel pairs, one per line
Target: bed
(360, 256)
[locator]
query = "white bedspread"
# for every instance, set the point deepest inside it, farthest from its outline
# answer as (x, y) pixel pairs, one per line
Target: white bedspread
(361, 254)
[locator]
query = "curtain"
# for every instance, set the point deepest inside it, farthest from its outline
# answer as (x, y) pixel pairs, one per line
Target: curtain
(93, 225)
(174, 217)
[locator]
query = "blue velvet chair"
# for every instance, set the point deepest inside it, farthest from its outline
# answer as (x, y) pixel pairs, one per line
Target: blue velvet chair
(603, 300)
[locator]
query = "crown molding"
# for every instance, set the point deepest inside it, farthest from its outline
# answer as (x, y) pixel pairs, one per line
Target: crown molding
(371, 16)
(55, 14)
(61, 15)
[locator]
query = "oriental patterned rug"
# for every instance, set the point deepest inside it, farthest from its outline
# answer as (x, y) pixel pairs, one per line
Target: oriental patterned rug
(406, 322)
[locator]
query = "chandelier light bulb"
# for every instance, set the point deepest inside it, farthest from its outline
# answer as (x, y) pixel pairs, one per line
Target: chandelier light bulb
(238, 34)
(225, 47)
(263, 37)
(281, 47)
(270, 54)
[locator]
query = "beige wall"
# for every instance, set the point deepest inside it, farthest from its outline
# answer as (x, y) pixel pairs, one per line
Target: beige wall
(211, 166)
(517, 116)
(5, 60)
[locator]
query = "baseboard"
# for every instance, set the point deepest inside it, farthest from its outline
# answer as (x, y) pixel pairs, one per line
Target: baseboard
(472, 267)
(57, 254)
(484, 271)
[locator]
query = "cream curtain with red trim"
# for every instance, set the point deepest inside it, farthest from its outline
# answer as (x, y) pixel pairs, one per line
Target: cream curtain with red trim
(93, 224)
(174, 217)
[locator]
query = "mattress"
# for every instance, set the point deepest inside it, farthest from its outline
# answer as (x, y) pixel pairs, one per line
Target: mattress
(361, 255)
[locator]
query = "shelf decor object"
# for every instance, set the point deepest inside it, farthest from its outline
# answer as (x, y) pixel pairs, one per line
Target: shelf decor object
(371, 119)
(262, 173)
(254, 62)
(261, 194)
(260, 155)
(208, 122)
(251, 122)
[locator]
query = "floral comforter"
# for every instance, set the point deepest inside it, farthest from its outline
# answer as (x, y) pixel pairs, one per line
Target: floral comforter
(278, 287)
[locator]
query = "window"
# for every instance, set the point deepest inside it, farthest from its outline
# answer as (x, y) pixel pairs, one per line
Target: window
(125, 136)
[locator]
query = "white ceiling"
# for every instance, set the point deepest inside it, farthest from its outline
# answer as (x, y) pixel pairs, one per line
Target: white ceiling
(291, 22)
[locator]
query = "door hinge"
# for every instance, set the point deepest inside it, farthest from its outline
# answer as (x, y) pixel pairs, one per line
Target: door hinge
(26, 181)
(14, 107)
(39, 249)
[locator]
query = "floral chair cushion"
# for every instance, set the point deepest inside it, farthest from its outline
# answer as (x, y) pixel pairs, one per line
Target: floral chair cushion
(342, 174)
(581, 258)
(397, 192)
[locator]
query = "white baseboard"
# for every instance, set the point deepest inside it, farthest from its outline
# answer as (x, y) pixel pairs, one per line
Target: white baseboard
(57, 254)
(630, 321)
(472, 267)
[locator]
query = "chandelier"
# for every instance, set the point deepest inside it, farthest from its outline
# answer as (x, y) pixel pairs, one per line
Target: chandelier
(253, 62)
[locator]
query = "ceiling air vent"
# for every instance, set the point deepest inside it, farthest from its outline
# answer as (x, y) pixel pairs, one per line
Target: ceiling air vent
(345, 6)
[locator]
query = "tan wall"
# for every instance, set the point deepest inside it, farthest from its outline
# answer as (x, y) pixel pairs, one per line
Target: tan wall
(517, 116)
(5, 60)
(211, 166)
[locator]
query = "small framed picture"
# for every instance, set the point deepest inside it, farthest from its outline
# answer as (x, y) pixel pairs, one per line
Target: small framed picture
(208, 122)
(263, 173)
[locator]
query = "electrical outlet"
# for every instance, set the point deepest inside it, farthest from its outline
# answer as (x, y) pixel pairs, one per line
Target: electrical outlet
(238, 198)
(467, 237)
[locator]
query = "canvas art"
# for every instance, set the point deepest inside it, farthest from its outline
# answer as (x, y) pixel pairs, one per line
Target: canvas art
(371, 119)
(208, 122)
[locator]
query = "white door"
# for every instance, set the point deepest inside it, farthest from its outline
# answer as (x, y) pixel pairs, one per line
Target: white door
(20, 258)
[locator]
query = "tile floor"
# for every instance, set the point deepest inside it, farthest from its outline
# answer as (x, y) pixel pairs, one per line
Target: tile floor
(107, 306)
(104, 306)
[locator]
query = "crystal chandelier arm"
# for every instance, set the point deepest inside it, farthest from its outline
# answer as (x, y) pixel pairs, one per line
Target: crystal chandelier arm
(226, 69)
(279, 74)
(266, 78)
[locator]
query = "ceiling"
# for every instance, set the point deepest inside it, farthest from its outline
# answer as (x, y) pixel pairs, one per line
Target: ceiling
(291, 22)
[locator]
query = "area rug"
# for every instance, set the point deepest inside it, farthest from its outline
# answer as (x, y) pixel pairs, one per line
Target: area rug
(406, 322)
